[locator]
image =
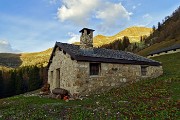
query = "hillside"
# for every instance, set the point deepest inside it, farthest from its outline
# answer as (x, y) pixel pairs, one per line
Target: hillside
(166, 34)
(30, 73)
(25, 59)
(10, 60)
(156, 98)
(157, 46)
(133, 33)
(36, 58)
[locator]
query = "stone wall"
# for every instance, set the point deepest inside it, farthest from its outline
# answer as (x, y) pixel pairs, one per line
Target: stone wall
(68, 72)
(154, 71)
(75, 76)
(86, 40)
(111, 75)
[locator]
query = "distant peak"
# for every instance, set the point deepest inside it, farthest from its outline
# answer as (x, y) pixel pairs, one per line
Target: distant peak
(134, 33)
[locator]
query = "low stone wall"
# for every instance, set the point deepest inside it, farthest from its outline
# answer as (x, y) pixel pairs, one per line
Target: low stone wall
(111, 75)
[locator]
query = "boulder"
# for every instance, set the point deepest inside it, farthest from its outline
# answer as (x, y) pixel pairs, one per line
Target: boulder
(61, 92)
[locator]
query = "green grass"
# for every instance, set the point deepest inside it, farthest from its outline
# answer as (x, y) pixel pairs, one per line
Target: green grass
(147, 99)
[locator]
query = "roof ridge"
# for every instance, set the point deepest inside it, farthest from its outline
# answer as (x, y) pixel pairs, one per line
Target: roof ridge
(103, 55)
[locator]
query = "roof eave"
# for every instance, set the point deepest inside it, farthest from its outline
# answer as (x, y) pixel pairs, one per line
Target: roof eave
(116, 61)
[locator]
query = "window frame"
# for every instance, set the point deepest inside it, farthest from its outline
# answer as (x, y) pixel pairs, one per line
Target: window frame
(58, 77)
(52, 73)
(144, 70)
(96, 72)
(58, 73)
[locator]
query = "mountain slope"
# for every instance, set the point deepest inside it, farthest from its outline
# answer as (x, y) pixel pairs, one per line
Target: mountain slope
(25, 59)
(133, 33)
(36, 58)
(165, 35)
(10, 60)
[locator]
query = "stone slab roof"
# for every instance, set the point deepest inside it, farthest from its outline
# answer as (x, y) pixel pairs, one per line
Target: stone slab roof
(173, 47)
(102, 55)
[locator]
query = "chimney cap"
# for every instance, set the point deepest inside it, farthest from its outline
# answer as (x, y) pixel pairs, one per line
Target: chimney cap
(86, 29)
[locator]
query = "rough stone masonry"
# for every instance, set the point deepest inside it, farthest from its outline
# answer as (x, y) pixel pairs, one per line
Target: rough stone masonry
(83, 69)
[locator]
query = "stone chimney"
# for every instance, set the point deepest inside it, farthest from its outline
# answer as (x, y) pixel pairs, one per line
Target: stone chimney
(86, 39)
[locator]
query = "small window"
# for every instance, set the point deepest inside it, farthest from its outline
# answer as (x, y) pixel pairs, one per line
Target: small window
(88, 32)
(51, 74)
(94, 68)
(58, 73)
(143, 70)
(114, 69)
(57, 78)
(64, 52)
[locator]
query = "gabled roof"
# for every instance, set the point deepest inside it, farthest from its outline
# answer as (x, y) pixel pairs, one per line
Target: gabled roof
(102, 55)
(173, 47)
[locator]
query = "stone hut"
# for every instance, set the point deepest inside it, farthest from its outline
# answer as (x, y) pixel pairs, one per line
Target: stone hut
(83, 69)
(168, 50)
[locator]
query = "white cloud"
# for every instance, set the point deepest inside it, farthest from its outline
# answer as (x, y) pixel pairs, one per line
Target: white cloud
(135, 6)
(112, 13)
(130, 13)
(147, 16)
(102, 14)
(112, 16)
(5, 47)
(53, 1)
(77, 10)
(74, 37)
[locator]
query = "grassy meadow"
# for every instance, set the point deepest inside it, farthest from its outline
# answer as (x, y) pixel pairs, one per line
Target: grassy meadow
(156, 98)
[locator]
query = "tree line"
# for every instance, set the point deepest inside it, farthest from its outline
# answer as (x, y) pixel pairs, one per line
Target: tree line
(119, 44)
(21, 80)
(123, 44)
(168, 29)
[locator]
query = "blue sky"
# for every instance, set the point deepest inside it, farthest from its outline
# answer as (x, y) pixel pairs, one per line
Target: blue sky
(35, 25)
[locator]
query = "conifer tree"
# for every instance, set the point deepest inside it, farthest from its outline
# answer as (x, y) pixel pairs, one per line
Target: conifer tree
(34, 78)
(1, 84)
(126, 42)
